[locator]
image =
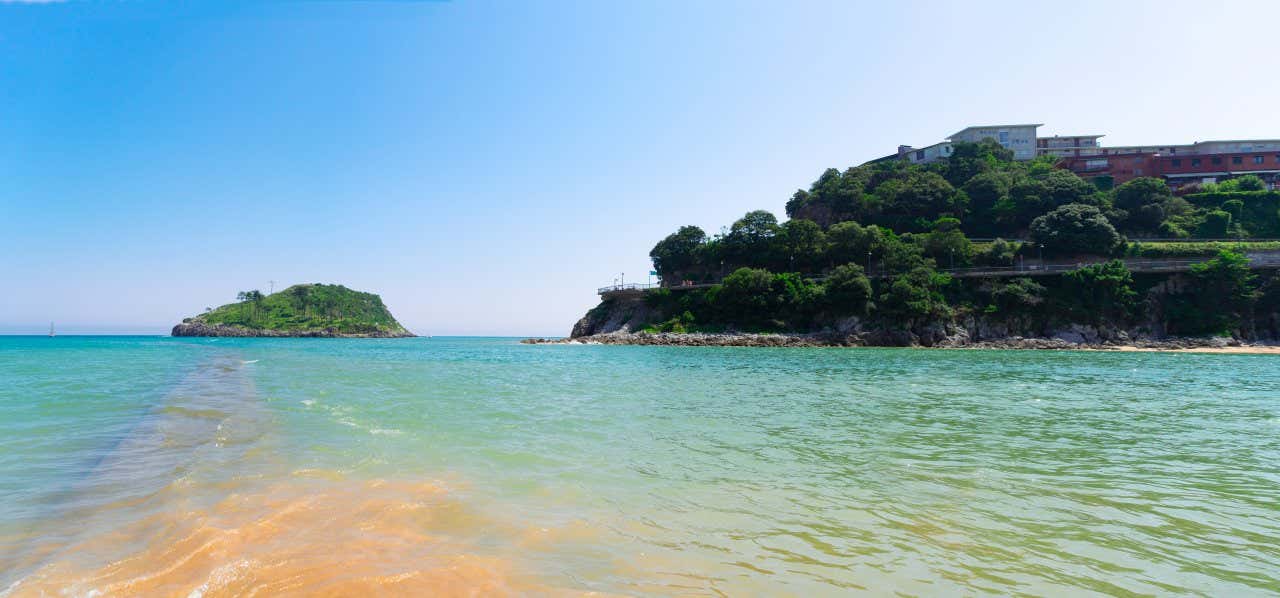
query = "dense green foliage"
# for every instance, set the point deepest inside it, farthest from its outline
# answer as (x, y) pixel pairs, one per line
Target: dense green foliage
(1217, 299)
(307, 307)
(1075, 229)
(1174, 249)
(1100, 293)
(870, 241)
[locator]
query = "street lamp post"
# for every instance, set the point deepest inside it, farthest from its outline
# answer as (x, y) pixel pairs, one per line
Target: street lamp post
(1042, 256)
(953, 259)
(868, 263)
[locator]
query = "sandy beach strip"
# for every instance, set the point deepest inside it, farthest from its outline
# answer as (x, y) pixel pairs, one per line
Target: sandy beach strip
(1230, 350)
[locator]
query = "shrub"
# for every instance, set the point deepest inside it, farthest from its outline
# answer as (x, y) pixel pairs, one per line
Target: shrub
(1218, 298)
(848, 291)
(1075, 228)
(1101, 292)
(914, 295)
(1015, 295)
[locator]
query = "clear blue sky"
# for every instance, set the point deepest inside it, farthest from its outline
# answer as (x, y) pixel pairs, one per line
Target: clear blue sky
(485, 166)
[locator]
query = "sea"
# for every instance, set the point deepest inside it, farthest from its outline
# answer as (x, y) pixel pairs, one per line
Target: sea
(156, 466)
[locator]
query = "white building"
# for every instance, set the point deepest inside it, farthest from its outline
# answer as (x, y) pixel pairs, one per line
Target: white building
(1019, 138)
(925, 155)
(1064, 146)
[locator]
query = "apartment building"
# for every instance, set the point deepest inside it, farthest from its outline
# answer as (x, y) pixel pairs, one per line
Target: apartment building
(1179, 164)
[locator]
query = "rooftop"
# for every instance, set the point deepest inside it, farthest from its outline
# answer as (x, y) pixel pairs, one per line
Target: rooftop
(994, 127)
(1056, 136)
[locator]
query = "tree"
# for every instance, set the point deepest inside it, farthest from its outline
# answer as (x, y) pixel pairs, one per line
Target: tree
(1218, 298)
(1027, 199)
(678, 253)
(835, 196)
(916, 197)
(901, 254)
(914, 295)
(969, 159)
(851, 242)
(1015, 296)
(1141, 192)
(1248, 182)
(755, 297)
(1000, 253)
(1145, 201)
(800, 244)
(1062, 187)
(750, 238)
(946, 244)
(1101, 292)
(848, 290)
(1075, 228)
(1215, 226)
(985, 190)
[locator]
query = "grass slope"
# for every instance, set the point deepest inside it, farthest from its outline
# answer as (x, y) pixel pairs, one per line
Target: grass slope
(309, 307)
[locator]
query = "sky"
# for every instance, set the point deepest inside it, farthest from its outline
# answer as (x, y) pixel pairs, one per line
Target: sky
(485, 166)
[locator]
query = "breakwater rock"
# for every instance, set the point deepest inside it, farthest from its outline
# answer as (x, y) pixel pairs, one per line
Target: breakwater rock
(698, 339)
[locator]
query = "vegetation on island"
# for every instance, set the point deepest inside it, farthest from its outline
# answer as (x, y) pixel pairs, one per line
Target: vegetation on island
(306, 309)
(874, 241)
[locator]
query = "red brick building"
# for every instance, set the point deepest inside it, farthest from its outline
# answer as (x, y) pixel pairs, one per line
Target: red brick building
(1178, 168)
(1181, 169)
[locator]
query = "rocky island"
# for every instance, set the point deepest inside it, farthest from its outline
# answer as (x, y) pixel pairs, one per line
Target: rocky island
(304, 310)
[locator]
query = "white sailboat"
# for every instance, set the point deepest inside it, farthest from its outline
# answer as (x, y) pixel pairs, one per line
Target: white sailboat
(51, 334)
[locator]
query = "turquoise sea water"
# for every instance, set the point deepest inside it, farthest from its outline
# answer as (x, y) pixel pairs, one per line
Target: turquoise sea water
(147, 465)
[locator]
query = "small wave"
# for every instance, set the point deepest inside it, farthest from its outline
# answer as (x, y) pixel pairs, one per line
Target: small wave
(308, 402)
(250, 361)
(385, 432)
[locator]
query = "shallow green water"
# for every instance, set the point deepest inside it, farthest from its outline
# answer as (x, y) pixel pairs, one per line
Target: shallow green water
(670, 470)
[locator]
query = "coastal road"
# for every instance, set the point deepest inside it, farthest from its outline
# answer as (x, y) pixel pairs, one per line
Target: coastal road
(1259, 260)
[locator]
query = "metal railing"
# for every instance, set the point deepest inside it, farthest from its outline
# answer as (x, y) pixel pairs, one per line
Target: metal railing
(630, 286)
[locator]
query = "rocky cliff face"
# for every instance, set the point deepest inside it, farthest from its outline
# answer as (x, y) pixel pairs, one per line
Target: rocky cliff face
(621, 320)
(194, 327)
(617, 314)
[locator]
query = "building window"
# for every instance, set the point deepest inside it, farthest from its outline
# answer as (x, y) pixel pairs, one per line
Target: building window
(920, 155)
(1217, 161)
(1257, 159)
(1004, 138)
(1237, 160)
(1177, 163)
(1195, 162)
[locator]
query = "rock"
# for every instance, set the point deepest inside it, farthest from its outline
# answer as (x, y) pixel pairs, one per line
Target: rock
(192, 327)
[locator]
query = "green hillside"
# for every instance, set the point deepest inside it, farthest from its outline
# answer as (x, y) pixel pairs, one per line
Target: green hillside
(305, 310)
